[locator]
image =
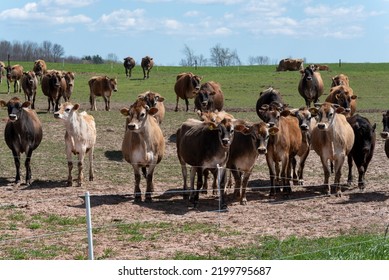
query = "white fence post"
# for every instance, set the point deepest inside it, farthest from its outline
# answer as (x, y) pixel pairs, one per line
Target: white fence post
(89, 226)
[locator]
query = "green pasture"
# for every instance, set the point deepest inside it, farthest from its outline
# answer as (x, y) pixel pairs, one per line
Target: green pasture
(241, 86)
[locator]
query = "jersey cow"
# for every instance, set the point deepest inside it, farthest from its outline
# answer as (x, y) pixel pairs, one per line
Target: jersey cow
(23, 133)
(80, 139)
(129, 64)
(154, 99)
(40, 68)
(67, 91)
(363, 148)
(290, 64)
(310, 86)
(343, 96)
(29, 86)
(52, 85)
(339, 80)
(332, 139)
(187, 84)
(2, 71)
(14, 74)
(101, 86)
(209, 97)
(147, 64)
(143, 145)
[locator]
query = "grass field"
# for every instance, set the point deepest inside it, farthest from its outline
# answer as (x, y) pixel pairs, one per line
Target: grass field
(241, 86)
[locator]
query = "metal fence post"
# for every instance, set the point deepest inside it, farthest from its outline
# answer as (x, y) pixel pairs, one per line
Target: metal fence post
(89, 226)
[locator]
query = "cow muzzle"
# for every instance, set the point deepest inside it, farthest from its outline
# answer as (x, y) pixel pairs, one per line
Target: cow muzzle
(13, 117)
(132, 126)
(262, 150)
(321, 126)
(384, 134)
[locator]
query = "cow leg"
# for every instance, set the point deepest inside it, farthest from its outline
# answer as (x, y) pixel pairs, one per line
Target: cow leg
(238, 183)
(16, 156)
(137, 192)
(28, 167)
(285, 176)
(350, 170)
(192, 196)
(246, 176)
(8, 86)
(150, 184)
(361, 178)
(223, 191)
(80, 170)
(187, 104)
(338, 173)
(300, 170)
(326, 170)
(272, 173)
(214, 183)
(184, 176)
(294, 172)
(205, 183)
(176, 109)
(106, 101)
(91, 173)
(144, 74)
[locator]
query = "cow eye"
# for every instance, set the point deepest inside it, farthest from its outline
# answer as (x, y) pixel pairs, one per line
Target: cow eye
(142, 115)
(67, 110)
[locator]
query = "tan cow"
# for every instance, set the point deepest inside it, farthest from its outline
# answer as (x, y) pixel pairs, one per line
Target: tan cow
(332, 139)
(80, 139)
(290, 64)
(147, 64)
(2, 71)
(154, 99)
(187, 84)
(101, 86)
(339, 80)
(40, 68)
(14, 74)
(69, 85)
(143, 145)
(209, 97)
(29, 85)
(343, 96)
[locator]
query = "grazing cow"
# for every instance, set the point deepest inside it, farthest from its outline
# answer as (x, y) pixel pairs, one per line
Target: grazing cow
(143, 144)
(284, 144)
(310, 86)
(203, 145)
(147, 63)
(363, 148)
(29, 86)
(210, 97)
(339, 80)
(40, 68)
(187, 84)
(101, 86)
(332, 139)
(2, 71)
(14, 74)
(385, 132)
(23, 134)
(245, 148)
(80, 138)
(52, 85)
(290, 64)
(269, 97)
(154, 99)
(343, 96)
(67, 91)
(129, 64)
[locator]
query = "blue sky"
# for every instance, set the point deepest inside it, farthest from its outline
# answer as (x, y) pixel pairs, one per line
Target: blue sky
(319, 31)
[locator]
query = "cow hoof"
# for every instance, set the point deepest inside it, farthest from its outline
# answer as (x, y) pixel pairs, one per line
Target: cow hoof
(243, 202)
(148, 199)
(138, 199)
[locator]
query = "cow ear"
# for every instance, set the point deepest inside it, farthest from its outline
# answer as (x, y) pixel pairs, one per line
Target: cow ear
(160, 99)
(354, 97)
(285, 113)
(3, 103)
(125, 111)
(243, 129)
(339, 110)
(152, 111)
(374, 126)
(76, 107)
(212, 125)
(273, 130)
(26, 104)
(313, 111)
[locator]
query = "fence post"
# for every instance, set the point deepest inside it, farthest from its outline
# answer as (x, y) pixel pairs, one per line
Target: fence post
(89, 226)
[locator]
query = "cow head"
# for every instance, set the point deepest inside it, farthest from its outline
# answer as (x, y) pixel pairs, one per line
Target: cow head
(113, 83)
(30, 77)
(225, 130)
(65, 110)
(69, 78)
(304, 117)
(137, 115)
(385, 123)
(151, 98)
(15, 107)
(343, 95)
(38, 67)
(339, 80)
(204, 96)
(54, 79)
(260, 133)
(325, 114)
(307, 74)
(147, 62)
(196, 82)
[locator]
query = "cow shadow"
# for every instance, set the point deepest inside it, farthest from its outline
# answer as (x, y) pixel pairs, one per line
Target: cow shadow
(172, 138)
(5, 182)
(361, 197)
(105, 199)
(114, 155)
(46, 184)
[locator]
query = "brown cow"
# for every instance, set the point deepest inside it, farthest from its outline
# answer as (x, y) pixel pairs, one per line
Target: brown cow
(23, 133)
(40, 68)
(101, 86)
(332, 139)
(187, 84)
(52, 85)
(245, 148)
(283, 146)
(29, 86)
(290, 64)
(154, 99)
(69, 85)
(129, 64)
(14, 74)
(143, 144)
(310, 86)
(340, 80)
(209, 97)
(2, 71)
(80, 139)
(147, 63)
(343, 96)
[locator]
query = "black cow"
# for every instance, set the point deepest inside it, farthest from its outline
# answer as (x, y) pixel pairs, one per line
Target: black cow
(23, 133)
(385, 132)
(268, 99)
(363, 148)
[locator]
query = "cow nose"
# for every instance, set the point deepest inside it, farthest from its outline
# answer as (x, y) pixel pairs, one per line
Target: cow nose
(321, 125)
(262, 150)
(347, 110)
(131, 126)
(204, 103)
(13, 117)
(226, 141)
(384, 134)
(304, 127)
(271, 124)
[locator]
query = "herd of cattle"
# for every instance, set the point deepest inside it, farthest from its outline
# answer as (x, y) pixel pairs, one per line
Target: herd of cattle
(284, 135)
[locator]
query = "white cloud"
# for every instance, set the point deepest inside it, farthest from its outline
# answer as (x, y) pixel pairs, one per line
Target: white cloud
(192, 14)
(222, 31)
(121, 20)
(172, 24)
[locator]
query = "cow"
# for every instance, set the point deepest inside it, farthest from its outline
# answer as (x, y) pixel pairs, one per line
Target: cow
(187, 84)
(343, 96)
(320, 67)
(332, 139)
(40, 68)
(67, 91)
(214, 116)
(29, 83)
(101, 86)
(52, 86)
(143, 144)
(14, 74)
(363, 148)
(80, 139)
(2, 71)
(154, 99)
(245, 148)
(203, 145)
(23, 133)
(339, 80)
(129, 64)
(209, 97)
(147, 63)
(385, 132)
(290, 64)
(284, 144)
(310, 86)
(269, 97)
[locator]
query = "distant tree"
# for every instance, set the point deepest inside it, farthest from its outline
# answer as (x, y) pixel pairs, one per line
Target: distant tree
(97, 59)
(57, 52)
(259, 60)
(189, 59)
(224, 56)
(47, 47)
